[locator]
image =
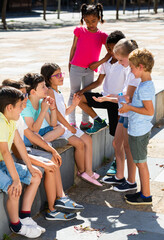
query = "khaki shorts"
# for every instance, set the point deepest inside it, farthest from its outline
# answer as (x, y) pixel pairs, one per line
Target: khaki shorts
(138, 147)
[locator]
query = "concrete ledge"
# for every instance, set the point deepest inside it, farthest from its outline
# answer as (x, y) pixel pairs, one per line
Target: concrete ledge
(159, 107)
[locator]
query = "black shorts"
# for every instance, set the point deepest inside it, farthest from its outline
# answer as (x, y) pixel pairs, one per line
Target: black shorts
(112, 109)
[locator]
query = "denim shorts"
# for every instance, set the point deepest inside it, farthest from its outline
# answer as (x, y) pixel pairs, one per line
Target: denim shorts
(6, 180)
(124, 121)
(42, 132)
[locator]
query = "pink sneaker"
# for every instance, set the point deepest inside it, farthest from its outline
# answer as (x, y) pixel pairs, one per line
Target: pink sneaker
(73, 125)
(95, 175)
(89, 179)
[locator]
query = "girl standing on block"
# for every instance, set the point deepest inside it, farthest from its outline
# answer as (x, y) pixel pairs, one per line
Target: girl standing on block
(77, 138)
(85, 50)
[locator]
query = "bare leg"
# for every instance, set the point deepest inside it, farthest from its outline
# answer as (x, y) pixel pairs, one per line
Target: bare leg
(78, 144)
(59, 185)
(84, 106)
(13, 208)
(118, 144)
(144, 178)
(54, 134)
(30, 193)
(131, 165)
(88, 153)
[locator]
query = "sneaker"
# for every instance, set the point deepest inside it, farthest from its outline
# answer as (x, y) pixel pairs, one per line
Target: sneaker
(112, 180)
(95, 175)
(112, 170)
(125, 186)
(28, 231)
(132, 195)
(28, 221)
(56, 215)
(96, 127)
(65, 204)
(138, 200)
(85, 126)
(89, 179)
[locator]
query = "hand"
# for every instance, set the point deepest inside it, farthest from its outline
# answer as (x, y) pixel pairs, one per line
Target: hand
(79, 93)
(124, 108)
(76, 100)
(45, 104)
(57, 158)
(127, 98)
(34, 170)
(72, 129)
(100, 99)
(50, 166)
(15, 189)
(52, 103)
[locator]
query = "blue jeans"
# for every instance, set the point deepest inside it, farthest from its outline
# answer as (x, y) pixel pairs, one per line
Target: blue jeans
(6, 180)
(124, 121)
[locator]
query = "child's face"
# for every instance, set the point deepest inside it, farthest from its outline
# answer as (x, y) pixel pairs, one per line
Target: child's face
(122, 60)
(16, 110)
(110, 47)
(135, 70)
(57, 78)
(41, 90)
(91, 22)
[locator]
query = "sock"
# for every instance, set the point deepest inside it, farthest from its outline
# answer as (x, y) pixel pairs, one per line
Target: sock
(84, 123)
(97, 118)
(24, 214)
(130, 182)
(117, 178)
(142, 196)
(16, 226)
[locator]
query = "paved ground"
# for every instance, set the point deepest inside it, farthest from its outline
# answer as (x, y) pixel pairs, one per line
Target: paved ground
(25, 49)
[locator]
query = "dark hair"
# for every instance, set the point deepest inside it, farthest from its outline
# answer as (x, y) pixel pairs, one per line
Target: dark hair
(9, 95)
(114, 37)
(47, 70)
(32, 80)
(13, 83)
(96, 10)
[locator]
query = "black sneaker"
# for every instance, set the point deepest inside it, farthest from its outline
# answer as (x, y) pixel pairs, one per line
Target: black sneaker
(125, 186)
(138, 200)
(132, 195)
(112, 180)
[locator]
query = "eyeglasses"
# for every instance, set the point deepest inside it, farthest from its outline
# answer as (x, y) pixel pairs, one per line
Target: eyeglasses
(59, 75)
(25, 95)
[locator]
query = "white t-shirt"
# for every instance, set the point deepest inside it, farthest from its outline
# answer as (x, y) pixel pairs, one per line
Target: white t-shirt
(130, 80)
(21, 127)
(114, 77)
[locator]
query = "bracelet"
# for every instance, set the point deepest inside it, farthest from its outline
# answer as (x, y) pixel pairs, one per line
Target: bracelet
(53, 109)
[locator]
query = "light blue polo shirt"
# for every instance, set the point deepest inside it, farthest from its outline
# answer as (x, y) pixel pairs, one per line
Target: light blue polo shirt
(141, 124)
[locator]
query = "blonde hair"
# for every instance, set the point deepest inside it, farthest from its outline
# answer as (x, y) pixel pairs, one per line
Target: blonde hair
(144, 57)
(124, 47)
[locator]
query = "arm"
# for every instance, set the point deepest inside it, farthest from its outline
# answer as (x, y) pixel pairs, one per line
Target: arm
(73, 49)
(147, 109)
(51, 118)
(95, 65)
(93, 85)
(75, 102)
(23, 153)
(108, 98)
(39, 141)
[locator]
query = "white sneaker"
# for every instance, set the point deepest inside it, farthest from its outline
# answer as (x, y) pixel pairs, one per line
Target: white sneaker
(28, 221)
(28, 231)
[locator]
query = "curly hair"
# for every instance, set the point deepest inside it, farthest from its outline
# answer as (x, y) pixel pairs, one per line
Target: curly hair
(96, 10)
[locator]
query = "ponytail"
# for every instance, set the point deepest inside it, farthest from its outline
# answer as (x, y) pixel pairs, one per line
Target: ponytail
(96, 10)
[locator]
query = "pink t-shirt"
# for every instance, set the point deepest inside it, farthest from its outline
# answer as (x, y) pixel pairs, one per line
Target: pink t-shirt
(88, 46)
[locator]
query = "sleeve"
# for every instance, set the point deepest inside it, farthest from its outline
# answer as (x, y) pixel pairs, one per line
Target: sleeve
(133, 81)
(4, 133)
(27, 113)
(146, 92)
(102, 69)
(104, 38)
(77, 31)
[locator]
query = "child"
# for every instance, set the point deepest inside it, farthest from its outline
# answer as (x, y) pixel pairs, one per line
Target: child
(52, 181)
(12, 174)
(141, 112)
(36, 114)
(81, 141)
(120, 142)
(112, 73)
(85, 50)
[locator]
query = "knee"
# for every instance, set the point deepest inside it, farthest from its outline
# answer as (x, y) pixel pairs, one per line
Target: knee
(36, 179)
(88, 140)
(114, 143)
(80, 145)
(61, 129)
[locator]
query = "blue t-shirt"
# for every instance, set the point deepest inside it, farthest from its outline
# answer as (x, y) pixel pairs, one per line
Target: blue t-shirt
(140, 124)
(29, 111)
